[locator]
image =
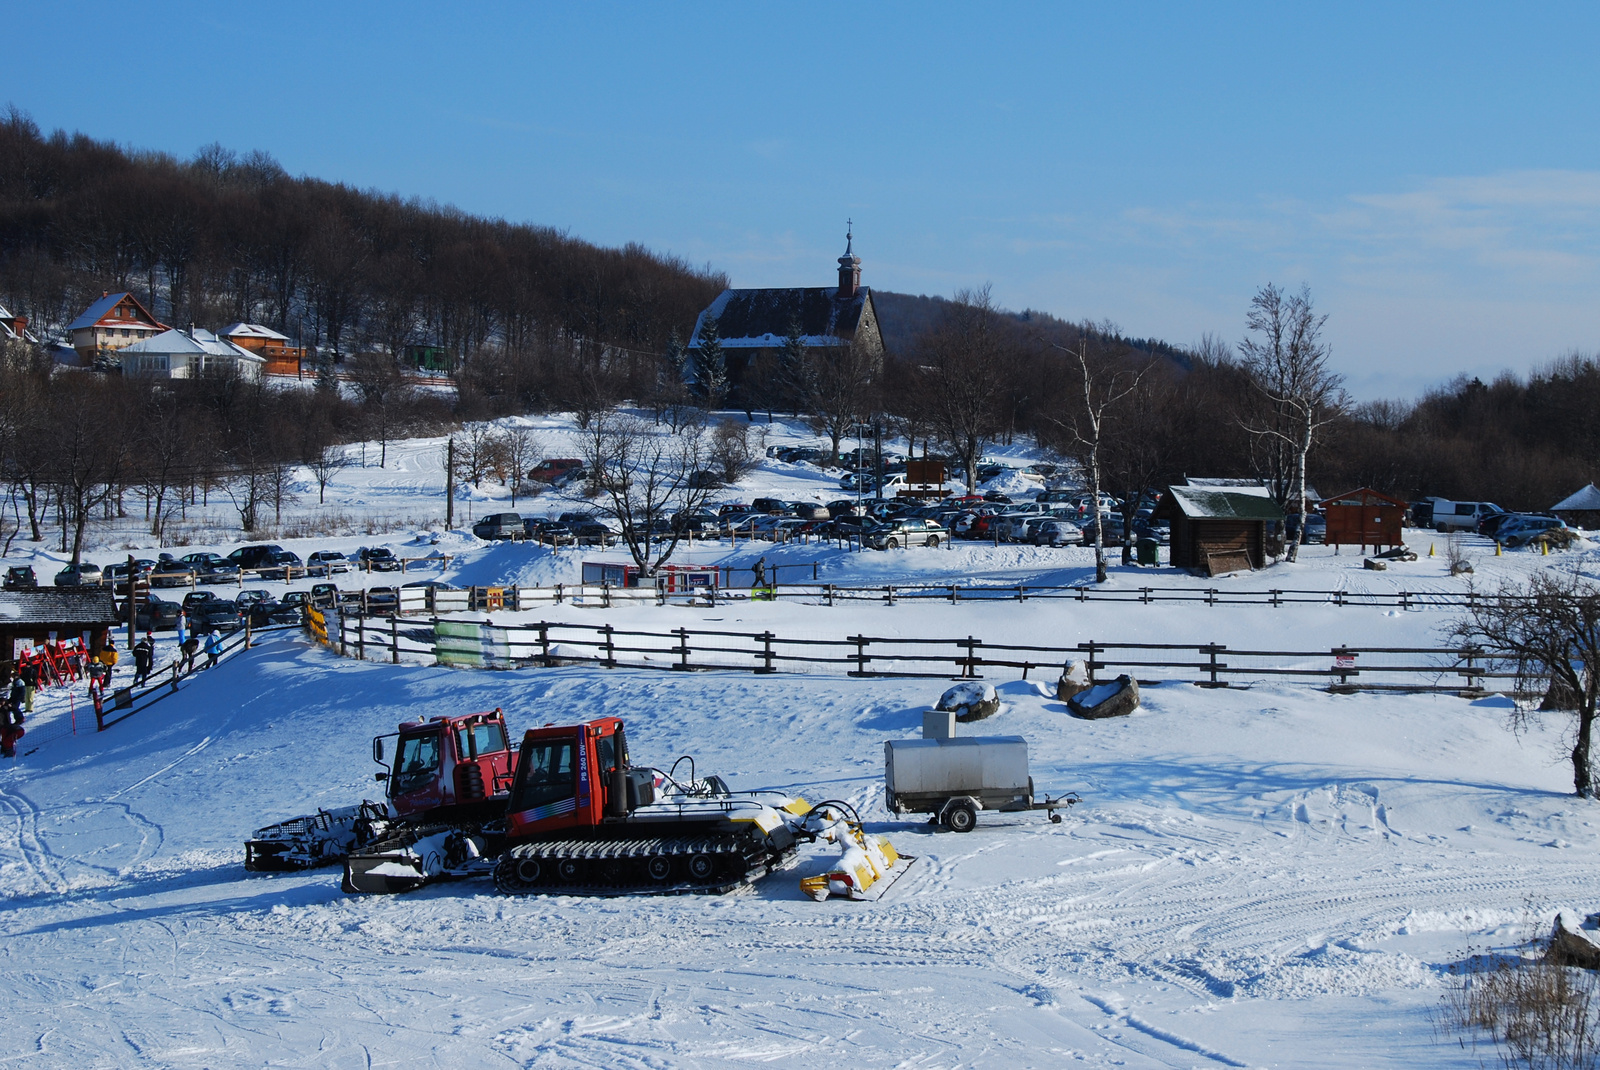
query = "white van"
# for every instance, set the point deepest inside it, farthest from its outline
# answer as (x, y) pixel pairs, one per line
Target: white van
(1460, 516)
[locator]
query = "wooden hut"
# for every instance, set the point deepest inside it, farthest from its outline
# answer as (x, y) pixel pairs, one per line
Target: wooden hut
(36, 614)
(1363, 518)
(1219, 529)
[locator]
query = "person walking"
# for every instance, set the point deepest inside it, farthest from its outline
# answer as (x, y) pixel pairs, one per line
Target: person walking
(108, 660)
(19, 694)
(144, 653)
(213, 648)
(191, 647)
(29, 671)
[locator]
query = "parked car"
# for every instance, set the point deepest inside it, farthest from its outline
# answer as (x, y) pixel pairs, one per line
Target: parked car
(1521, 530)
(156, 615)
(500, 526)
(704, 479)
(253, 557)
(378, 559)
(383, 599)
(553, 469)
(211, 568)
(261, 608)
(278, 565)
(1316, 528)
(20, 577)
(206, 610)
(1460, 516)
(1057, 533)
(170, 572)
(323, 595)
(905, 532)
(296, 600)
(1113, 532)
(326, 563)
(550, 532)
(78, 575)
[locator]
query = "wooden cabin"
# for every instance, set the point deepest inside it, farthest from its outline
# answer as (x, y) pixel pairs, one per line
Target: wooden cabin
(34, 615)
(1364, 517)
(1219, 529)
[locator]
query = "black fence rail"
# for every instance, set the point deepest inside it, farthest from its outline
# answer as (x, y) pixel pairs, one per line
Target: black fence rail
(483, 644)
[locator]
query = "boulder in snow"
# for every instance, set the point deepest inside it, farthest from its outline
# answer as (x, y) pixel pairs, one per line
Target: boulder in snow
(1575, 941)
(971, 702)
(1074, 678)
(1118, 698)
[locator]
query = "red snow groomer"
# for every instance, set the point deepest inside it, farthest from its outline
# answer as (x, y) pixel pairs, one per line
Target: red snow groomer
(579, 819)
(448, 772)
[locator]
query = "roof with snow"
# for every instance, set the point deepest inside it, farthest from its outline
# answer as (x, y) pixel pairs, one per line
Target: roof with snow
(751, 319)
(1237, 503)
(100, 313)
(8, 326)
(1583, 501)
(192, 343)
(252, 330)
(59, 605)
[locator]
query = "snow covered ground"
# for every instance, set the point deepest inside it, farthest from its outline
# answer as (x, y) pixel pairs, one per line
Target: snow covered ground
(1270, 876)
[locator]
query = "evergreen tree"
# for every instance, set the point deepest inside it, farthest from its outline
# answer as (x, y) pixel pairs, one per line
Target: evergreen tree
(794, 370)
(710, 366)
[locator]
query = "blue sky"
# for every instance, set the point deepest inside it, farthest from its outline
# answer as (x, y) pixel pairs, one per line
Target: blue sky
(1432, 172)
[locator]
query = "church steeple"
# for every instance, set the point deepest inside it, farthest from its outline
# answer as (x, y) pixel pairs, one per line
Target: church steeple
(849, 265)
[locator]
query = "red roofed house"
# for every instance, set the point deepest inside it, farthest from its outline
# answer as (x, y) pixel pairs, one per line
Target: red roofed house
(14, 327)
(114, 321)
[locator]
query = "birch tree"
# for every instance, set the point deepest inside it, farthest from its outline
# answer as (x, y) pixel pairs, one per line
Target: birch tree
(1288, 365)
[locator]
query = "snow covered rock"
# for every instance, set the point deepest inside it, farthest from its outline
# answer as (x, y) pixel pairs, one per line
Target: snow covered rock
(1074, 678)
(1118, 698)
(1575, 941)
(971, 702)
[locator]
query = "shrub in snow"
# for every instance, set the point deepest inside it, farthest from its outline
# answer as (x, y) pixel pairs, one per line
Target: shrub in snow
(971, 702)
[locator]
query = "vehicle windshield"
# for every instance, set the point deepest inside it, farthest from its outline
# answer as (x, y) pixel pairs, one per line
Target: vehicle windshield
(416, 764)
(546, 774)
(488, 738)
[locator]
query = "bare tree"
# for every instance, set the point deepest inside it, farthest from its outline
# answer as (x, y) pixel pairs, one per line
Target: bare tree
(966, 365)
(521, 448)
(731, 451)
(325, 465)
(1548, 633)
(836, 385)
(1107, 375)
(643, 477)
(1288, 363)
(383, 389)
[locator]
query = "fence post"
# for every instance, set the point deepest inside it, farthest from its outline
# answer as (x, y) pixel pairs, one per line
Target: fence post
(1092, 647)
(544, 643)
(1020, 597)
(890, 589)
(1405, 600)
(1145, 591)
(1338, 597)
(1212, 649)
(361, 635)
(814, 576)
(558, 594)
(955, 594)
(394, 641)
(766, 653)
(683, 650)
(828, 590)
(1211, 596)
(1083, 594)
(1274, 595)
(970, 669)
(861, 654)
(611, 647)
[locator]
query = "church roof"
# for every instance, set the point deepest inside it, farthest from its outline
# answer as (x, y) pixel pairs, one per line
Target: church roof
(751, 319)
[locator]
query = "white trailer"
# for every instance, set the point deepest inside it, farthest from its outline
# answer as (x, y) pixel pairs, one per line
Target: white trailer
(953, 779)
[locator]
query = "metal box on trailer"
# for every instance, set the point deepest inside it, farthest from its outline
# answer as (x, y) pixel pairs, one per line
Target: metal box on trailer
(937, 776)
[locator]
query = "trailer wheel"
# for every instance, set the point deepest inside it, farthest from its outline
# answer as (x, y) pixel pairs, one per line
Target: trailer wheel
(701, 867)
(528, 870)
(659, 867)
(962, 817)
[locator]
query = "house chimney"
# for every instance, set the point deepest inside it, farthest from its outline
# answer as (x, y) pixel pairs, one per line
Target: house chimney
(849, 267)
(20, 326)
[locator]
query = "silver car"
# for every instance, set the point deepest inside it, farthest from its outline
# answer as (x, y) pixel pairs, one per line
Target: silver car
(78, 575)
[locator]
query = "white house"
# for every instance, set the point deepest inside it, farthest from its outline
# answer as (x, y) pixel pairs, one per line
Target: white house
(187, 355)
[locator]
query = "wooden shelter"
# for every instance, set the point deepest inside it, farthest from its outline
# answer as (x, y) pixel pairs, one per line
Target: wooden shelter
(34, 615)
(1219, 529)
(1364, 517)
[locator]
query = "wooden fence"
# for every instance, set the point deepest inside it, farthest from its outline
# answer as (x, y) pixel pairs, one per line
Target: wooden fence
(1344, 668)
(521, 599)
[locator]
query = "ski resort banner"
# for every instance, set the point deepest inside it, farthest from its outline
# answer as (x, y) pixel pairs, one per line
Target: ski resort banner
(472, 646)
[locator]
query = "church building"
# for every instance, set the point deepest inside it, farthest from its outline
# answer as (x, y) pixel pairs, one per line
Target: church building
(754, 323)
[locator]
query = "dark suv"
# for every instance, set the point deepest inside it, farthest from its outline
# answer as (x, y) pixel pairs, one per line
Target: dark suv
(253, 557)
(378, 559)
